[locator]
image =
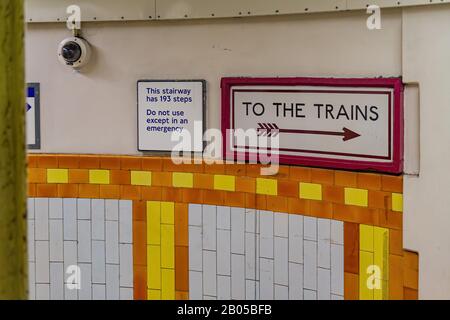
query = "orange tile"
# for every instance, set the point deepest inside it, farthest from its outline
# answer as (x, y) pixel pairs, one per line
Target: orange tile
(345, 179)
(411, 260)
(379, 199)
(410, 294)
(151, 193)
(31, 190)
(151, 163)
(203, 181)
(321, 209)
(283, 173)
(395, 277)
(120, 177)
(395, 242)
(181, 295)
(89, 162)
(261, 202)
(68, 161)
(91, 191)
(245, 184)
(333, 194)
(236, 169)
(130, 163)
(371, 181)
(351, 247)
(140, 242)
(46, 190)
(234, 199)
(78, 176)
(354, 214)
(214, 168)
(213, 197)
(172, 194)
(68, 190)
(37, 175)
(288, 188)
(300, 174)
(32, 161)
(47, 161)
(351, 286)
(139, 210)
(169, 166)
(181, 224)
(109, 162)
(253, 170)
(110, 191)
(411, 278)
(277, 203)
(162, 179)
(140, 282)
(130, 192)
(250, 200)
(299, 206)
(392, 183)
(322, 176)
(181, 268)
(192, 195)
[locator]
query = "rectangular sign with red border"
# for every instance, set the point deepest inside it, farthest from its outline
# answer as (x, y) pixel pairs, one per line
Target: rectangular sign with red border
(353, 124)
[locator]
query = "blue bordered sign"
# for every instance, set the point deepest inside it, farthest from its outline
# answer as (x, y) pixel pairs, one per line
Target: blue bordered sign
(32, 108)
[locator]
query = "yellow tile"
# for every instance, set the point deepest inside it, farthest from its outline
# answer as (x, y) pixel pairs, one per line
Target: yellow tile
(168, 284)
(141, 178)
(266, 186)
(366, 238)
(223, 182)
(153, 267)
(182, 180)
(99, 176)
(57, 175)
(153, 294)
(383, 292)
(366, 291)
(312, 191)
(153, 222)
(167, 246)
(397, 202)
(356, 197)
(167, 212)
(381, 260)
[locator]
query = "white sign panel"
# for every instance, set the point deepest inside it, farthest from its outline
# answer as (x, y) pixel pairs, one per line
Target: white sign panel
(165, 107)
(32, 112)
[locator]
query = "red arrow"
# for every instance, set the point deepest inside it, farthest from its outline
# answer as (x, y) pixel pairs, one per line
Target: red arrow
(271, 129)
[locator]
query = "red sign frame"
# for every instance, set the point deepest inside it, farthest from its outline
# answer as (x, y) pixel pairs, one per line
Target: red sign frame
(395, 166)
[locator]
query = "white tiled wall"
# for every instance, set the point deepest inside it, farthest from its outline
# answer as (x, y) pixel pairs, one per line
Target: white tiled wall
(95, 235)
(237, 253)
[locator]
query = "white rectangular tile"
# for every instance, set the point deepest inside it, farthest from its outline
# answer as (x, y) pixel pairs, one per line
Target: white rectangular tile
(30, 208)
(250, 289)
(323, 252)
(266, 285)
(223, 218)
(310, 265)
(98, 261)
(336, 297)
(56, 240)
(309, 294)
(112, 242)
(323, 284)
(98, 219)
(310, 228)
(250, 256)
(42, 262)
(296, 238)
(125, 221)
(281, 224)
(126, 265)
(250, 220)
(43, 291)
(209, 273)
(84, 209)
(55, 208)
(70, 293)
(195, 285)
(84, 241)
(195, 249)
(70, 254)
(209, 298)
(238, 230)
(112, 282)
(237, 276)
(295, 281)
(112, 209)
(224, 252)
(41, 219)
(30, 240)
(257, 290)
(209, 227)
(85, 292)
(266, 234)
(281, 269)
(195, 215)
(98, 292)
(56, 281)
(32, 280)
(281, 292)
(337, 232)
(223, 287)
(324, 229)
(337, 269)
(70, 219)
(126, 293)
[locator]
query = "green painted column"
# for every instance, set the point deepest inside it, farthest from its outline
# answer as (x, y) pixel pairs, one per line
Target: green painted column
(13, 258)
